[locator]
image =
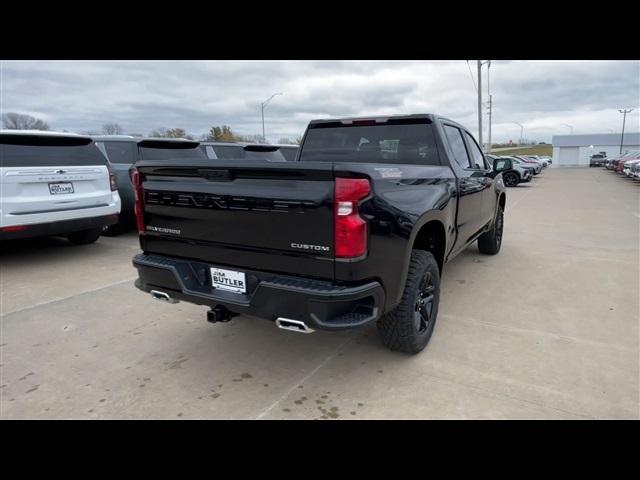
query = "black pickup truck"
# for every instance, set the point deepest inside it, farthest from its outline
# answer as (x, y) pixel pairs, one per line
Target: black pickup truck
(356, 230)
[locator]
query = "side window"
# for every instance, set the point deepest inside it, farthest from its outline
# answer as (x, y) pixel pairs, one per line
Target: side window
(210, 152)
(229, 152)
(120, 152)
(454, 136)
(500, 164)
(476, 154)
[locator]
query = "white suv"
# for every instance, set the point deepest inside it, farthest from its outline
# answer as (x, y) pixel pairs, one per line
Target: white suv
(54, 183)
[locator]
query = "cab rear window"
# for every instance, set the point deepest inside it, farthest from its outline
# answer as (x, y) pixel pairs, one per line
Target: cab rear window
(385, 143)
(44, 152)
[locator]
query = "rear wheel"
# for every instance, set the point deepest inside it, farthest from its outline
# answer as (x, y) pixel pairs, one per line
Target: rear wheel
(84, 237)
(490, 242)
(511, 179)
(408, 327)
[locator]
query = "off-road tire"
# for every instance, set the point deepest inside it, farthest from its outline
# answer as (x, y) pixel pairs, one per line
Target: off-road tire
(399, 329)
(489, 242)
(85, 237)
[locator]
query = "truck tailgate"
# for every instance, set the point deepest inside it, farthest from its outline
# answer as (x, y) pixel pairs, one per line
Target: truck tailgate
(269, 217)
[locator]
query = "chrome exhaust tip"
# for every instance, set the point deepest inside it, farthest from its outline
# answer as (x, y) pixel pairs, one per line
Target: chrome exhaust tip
(163, 296)
(293, 325)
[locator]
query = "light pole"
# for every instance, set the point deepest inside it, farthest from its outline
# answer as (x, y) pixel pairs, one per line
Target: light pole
(262, 106)
(521, 132)
(480, 102)
(480, 63)
(490, 102)
(624, 112)
(570, 127)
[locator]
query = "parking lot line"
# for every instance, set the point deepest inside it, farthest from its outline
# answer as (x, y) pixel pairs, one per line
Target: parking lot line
(60, 299)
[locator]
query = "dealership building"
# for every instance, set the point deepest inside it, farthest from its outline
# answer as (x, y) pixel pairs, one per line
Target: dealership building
(575, 150)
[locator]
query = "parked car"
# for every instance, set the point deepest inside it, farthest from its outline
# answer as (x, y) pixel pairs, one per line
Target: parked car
(626, 167)
(124, 150)
(635, 171)
(534, 168)
(618, 163)
(515, 176)
(357, 230)
(613, 162)
(240, 150)
(537, 165)
(55, 184)
(531, 159)
(597, 160)
(536, 158)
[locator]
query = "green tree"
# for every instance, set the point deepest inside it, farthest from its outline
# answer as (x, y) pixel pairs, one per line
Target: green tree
(222, 134)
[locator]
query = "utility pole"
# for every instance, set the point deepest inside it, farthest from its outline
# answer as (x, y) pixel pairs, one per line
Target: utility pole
(480, 103)
(624, 120)
(490, 103)
(490, 111)
(262, 107)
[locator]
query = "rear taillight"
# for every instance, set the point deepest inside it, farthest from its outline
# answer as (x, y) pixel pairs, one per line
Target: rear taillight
(113, 181)
(350, 230)
(139, 199)
(13, 228)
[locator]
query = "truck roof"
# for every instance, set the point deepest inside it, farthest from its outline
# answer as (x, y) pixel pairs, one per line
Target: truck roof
(42, 133)
(44, 137)
(381, 119)
(118, 138)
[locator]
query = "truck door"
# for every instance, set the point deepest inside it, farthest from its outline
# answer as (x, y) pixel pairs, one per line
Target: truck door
(483, 174)
(471, 185)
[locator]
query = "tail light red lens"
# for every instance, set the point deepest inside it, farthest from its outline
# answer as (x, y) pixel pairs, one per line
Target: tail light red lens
(139, 200)
(350, 230)
(13, 228)
(113, 181)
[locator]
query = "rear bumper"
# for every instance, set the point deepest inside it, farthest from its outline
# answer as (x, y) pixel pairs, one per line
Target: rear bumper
(320, 304)
(57, 228)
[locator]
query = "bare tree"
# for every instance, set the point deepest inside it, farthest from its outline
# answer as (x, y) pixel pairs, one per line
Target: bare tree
(21, 121)
(170, 133)
(111, 129)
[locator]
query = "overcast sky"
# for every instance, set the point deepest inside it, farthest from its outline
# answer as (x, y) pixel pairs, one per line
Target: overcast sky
(144, 95)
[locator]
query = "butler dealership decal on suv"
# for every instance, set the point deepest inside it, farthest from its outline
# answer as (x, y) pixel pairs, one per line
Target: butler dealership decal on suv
(55, 183)
(358, 229)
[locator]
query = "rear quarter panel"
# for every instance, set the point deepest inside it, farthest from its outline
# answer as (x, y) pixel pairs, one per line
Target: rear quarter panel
(404, 198)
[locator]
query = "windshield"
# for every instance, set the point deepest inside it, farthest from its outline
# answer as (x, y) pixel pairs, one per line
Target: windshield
(21, 152)
(407, 143)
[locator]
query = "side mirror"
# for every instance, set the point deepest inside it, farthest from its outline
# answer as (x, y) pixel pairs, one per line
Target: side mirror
(502, 164)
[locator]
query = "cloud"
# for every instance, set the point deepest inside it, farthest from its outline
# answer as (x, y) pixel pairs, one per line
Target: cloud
(144, 95)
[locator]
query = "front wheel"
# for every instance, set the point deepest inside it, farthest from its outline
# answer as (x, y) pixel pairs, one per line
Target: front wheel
(490, 242)
(511, 179)
(408, 327)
